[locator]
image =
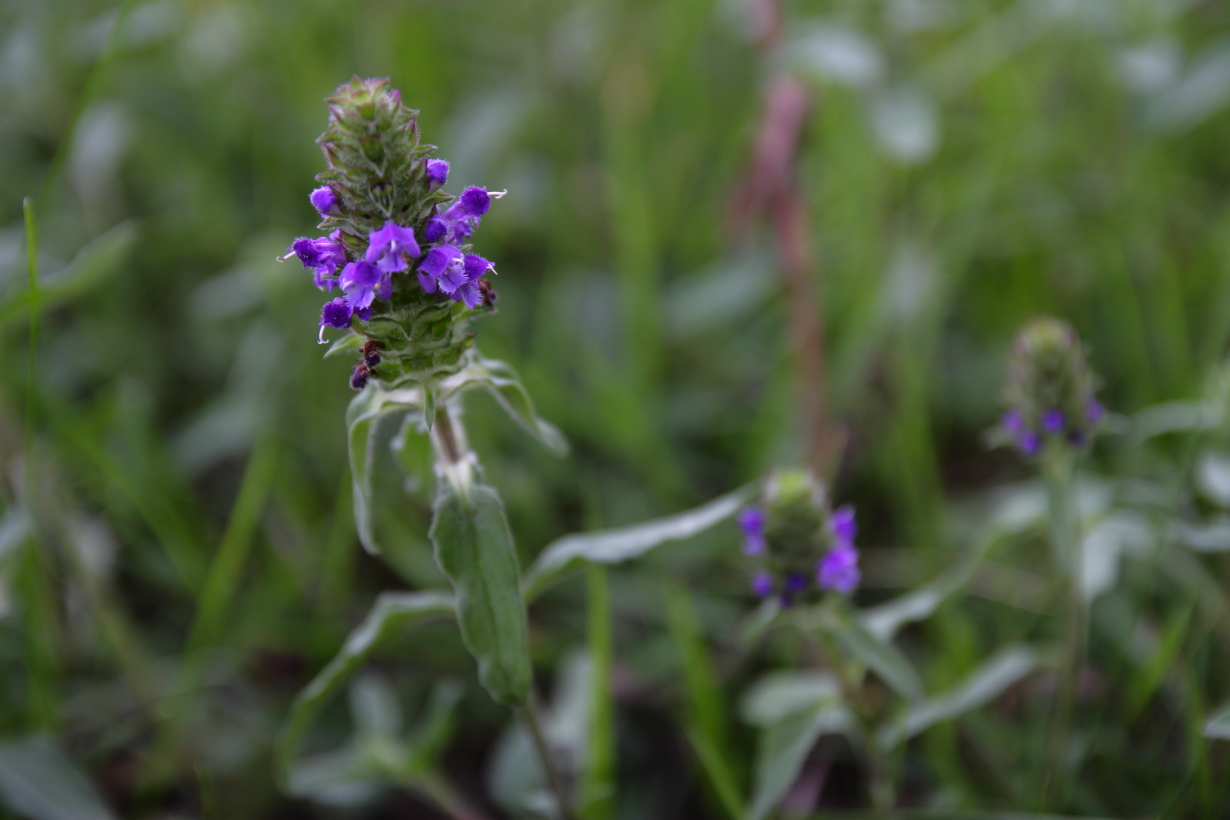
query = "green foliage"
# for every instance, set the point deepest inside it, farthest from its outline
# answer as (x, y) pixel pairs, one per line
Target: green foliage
(474, 548)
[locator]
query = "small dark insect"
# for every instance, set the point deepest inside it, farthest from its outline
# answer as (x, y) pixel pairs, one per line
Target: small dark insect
(371, 355)
(489, 294)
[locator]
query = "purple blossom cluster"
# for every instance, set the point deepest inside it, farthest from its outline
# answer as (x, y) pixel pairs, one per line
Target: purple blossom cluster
(438, 261)
(1053, 423)
(836, 570)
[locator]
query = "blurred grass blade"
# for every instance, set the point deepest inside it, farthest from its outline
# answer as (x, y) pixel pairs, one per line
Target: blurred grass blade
(986, 683)
(569, 553)
(392, 611)
(1219, 724)
(474, 548)
(881, 656)
(218, 592)
(704, 709)
(782, 750)
(90, 267)
(39, 783)
(597, 792)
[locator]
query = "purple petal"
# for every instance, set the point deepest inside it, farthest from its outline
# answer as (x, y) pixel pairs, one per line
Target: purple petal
(437, 172)
(435, 229)
(388, 247)
(475, 201)
(475, 267)
(323, 199)
(454, 276)
(428, 282)
(360, 298)
(360, 275)
(336, 313)
(468, 293)
(385, 291)
(438, 259)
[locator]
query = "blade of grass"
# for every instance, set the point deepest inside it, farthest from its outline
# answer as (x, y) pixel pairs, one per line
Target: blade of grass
(597, 793)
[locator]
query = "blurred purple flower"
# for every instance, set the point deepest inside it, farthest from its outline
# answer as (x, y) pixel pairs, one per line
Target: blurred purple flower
(1053, 421)
(751, 521)
(838, 570)
(1094, 411)
(843, 525)
(1029, 443)
(1013, 422)
(762, 584)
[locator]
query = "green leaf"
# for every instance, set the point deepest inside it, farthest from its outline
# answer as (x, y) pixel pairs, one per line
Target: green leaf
(435, 725)
(784, 747)
(1218, 726)
(362, 416)
(778, 695)
(504, 383)
(1104, 545)
(1213, 478)
(596, 795)
(345, 344)
(474, 548)
(881, 656)
(986, 683)
(39, 783)
(393, 611)
(569, 553)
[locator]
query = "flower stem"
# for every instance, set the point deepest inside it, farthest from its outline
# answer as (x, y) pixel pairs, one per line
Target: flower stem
(880, 783)
(532, 719)
(1062, 508)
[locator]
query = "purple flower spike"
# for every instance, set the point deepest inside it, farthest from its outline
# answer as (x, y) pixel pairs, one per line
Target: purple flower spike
(336, 314)
(1094, 411)
(1029, 443)
(388, 247)
(838, 570)
(751, 521)
(323, 199)
(843, 525)
(762, 584)
(360, 281)
(437, 172)
(1013, 422)
(1053, 421)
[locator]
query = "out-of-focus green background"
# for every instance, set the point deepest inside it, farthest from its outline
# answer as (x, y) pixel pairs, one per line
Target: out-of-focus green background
(965, 166)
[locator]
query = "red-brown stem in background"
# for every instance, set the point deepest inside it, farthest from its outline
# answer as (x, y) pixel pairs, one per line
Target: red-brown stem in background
(771, 190)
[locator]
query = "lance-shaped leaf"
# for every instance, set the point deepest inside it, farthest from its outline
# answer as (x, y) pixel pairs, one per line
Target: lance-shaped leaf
(392, 612)
(783, 748)
(986, 683)
(504, 383)
(881, 656)
(38, 782)
(345, 344)
(571, 552)
(474, 548)
(362, 417)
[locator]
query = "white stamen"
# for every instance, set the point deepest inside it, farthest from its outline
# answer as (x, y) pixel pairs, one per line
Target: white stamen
(496, 194)
(287, 256)
(321, 340)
